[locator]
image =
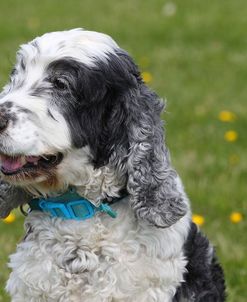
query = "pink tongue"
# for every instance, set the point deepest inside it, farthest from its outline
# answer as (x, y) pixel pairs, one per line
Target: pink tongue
(15, 163)
(11, 163)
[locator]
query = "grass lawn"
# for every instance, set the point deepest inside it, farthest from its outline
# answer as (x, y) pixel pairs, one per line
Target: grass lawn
(195, 53)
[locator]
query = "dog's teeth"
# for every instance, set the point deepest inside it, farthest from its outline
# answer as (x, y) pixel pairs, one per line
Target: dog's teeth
(44, 157)
(23, 160)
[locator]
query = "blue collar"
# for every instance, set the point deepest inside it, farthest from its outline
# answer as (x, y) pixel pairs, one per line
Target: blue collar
(71, 205)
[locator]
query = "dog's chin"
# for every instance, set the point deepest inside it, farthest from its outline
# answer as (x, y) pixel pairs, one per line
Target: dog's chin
(25, 170)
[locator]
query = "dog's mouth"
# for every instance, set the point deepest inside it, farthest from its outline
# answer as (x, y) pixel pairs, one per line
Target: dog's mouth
(21, 164)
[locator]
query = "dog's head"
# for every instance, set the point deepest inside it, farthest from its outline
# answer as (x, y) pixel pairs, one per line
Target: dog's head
(76, 105)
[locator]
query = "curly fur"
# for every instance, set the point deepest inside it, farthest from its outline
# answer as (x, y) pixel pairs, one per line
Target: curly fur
(155, 196)
(98, 260)
(109, 131)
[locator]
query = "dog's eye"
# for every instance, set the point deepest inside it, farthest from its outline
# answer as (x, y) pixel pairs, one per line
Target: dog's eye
(59, 84)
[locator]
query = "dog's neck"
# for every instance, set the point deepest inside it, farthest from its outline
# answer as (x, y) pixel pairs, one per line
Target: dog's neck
(77, 171)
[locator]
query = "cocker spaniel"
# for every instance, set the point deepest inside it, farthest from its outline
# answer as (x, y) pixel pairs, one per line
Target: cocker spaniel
(82, 143)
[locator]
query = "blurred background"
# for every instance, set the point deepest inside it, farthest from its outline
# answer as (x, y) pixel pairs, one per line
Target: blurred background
(192, 53)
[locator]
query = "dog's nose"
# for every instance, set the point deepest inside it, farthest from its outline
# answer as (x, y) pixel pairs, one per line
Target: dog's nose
(3, 122)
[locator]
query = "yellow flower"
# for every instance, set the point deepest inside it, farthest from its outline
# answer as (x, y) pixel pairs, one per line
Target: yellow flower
(231, 136)
(227, 116)
(10, 218)
(236, 217)
(147, 77)
(198, 219)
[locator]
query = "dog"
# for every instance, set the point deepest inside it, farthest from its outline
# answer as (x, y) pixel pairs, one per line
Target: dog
(80, 131)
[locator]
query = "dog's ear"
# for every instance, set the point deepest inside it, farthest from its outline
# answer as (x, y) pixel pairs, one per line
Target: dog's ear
(152, 182)
(10, 198)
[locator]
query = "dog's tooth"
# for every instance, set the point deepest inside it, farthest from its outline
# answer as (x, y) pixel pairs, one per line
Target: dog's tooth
(43, 156)
(23, 160)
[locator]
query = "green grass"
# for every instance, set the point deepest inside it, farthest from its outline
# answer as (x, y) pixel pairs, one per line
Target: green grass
(198, 61)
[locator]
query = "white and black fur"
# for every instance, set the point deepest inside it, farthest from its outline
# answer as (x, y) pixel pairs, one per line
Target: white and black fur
(77, 95)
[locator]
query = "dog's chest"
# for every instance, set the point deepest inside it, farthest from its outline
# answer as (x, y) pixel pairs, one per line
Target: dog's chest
(98, 260)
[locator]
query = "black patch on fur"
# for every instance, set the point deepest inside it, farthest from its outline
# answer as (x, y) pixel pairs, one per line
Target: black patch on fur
(204, 280)
(91, 102)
